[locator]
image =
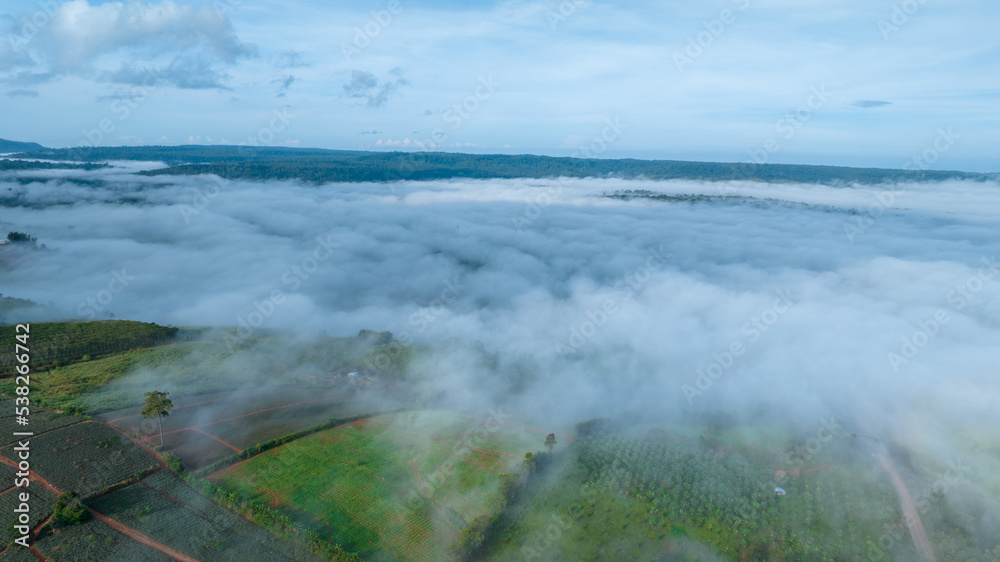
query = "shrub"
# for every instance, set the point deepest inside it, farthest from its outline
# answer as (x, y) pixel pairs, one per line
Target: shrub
(68, 510)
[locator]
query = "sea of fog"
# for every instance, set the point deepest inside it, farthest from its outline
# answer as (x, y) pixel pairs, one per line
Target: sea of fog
(878, 303)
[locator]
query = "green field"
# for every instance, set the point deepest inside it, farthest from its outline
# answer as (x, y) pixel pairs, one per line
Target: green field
(405, 484)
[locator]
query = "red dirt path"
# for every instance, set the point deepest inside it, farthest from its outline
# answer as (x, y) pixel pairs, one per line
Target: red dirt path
(215, 438)
(128, 532)
(909, 508)
(141, 538)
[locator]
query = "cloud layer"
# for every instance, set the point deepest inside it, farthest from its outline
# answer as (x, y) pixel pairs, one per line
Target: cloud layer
(623, 295)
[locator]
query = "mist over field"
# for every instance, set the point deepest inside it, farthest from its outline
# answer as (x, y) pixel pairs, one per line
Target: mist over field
(789, 300)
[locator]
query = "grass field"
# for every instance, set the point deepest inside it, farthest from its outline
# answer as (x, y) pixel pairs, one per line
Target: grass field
(405, 484)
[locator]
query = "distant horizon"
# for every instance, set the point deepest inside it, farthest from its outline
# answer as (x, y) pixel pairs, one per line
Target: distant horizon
(609, 155)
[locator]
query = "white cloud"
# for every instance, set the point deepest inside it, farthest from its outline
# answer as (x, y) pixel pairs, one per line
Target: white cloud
(184, 42)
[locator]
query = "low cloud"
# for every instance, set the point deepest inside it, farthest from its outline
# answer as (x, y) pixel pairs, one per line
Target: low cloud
(20, 92)
(871, 103)
(366, 86)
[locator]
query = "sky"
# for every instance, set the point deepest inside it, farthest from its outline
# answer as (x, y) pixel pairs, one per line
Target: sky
(841, 82)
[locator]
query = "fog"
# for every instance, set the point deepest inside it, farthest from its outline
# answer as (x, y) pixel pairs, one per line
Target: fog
(794, 300)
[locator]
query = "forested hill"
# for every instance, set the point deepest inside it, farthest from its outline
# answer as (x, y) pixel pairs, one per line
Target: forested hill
(15, 146)
(319, 165)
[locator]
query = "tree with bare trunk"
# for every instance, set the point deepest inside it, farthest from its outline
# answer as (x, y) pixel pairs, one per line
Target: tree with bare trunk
(158, 405)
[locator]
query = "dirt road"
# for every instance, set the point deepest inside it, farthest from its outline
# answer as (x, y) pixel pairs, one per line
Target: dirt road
(917, 532)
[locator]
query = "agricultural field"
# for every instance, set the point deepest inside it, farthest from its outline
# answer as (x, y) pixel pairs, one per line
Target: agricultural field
(53, 343)
(164, 509)
(206, 428)
(93, 541)
(403, 484)
(188, 368)
(86, 457)
(41, 421)
(40, 503)
(667, 495)
(17, 555)
(119, 380)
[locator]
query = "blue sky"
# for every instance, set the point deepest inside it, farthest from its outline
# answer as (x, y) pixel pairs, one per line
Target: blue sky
(845, 82)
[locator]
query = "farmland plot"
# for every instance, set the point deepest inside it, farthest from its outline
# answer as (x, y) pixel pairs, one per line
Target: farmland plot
(87, 457)
(6, 476)
(205, 534)
(93, 541)
(406, 484)
(41, 420)
(196, 449)
(40, 503)
(164, 482)
(18, 555)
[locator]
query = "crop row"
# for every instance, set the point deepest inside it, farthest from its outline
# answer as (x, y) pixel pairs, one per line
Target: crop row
(40, 503)
(40, 420)
(166, 483)
(86, 457)
(18, 555)
(93, 541)
(189, 531)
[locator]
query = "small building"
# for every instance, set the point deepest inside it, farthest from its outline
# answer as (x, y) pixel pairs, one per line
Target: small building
(779, 491)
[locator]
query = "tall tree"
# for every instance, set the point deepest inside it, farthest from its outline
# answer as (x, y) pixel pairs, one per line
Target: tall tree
(158, 405)
(550, 441)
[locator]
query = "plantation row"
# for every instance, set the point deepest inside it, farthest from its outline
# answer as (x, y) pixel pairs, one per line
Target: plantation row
(686, 481)
(41, 421)
(87, 458)
(57, 343)
(92, 541)
(206, 535)
(833, 513)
